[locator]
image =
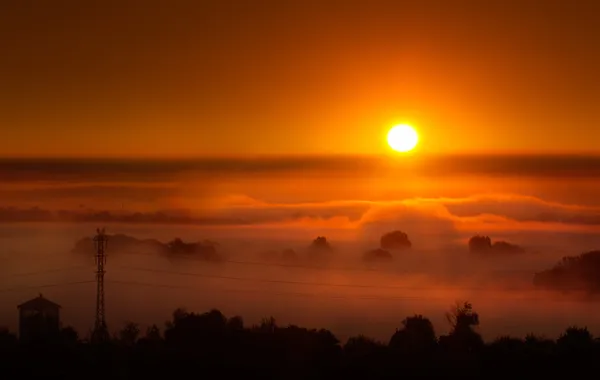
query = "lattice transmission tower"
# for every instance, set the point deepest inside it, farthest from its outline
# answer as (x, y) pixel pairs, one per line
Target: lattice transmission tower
(100, 332)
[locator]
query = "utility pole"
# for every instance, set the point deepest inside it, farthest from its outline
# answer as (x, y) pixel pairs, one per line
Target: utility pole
(100, 332)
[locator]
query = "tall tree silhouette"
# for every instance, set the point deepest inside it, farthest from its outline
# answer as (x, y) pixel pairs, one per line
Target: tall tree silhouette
(462, 337)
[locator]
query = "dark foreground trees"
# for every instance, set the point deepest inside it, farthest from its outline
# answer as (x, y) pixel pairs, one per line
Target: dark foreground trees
(193, 345)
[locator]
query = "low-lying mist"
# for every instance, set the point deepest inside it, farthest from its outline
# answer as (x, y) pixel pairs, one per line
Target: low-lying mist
(341, 293)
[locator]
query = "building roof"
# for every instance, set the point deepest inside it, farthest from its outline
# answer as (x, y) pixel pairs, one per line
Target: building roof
(39, 303)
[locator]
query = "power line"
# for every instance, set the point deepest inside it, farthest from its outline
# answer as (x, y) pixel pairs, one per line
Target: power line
(250, 279)
(312, 267)
(396, 270)
(50, 271)
(234, 278)
(249, 291)
(45, 286)
(280, 265)
(168, 286)
(258, 263)
(289, 282)
(299, 294)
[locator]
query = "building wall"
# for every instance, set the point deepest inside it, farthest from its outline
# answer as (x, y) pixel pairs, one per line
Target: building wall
(34, 324)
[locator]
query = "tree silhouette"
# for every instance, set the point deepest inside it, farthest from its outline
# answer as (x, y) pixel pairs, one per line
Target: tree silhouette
(211, 343)
(462, 337)
(321, 243)
(129, 334)
(268, 325)
(575, 339)
(235, 323)
(483, 245)
(417, 336)
(575, 273)
(360, 347)
(480, 243)
(539, 346)
(179, 314)
(7, 339)
(319, 249)
(395, 240)
(153, 334)
(69, 335)
(462, 317)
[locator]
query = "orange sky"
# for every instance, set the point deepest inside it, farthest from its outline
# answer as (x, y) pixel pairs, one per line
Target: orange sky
(196, 78)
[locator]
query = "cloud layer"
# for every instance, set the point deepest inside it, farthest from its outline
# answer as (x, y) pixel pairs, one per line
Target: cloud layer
(362, 197)
(420, 216)
(549, 166)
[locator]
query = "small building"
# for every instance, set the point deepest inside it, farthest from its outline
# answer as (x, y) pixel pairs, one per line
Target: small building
(38, 318)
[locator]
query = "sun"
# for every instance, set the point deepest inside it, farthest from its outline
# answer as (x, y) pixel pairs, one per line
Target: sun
(402, 138)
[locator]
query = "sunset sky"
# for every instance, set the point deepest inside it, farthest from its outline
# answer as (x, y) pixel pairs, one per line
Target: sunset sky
(262, 124)
(495, 90)
(204, 78)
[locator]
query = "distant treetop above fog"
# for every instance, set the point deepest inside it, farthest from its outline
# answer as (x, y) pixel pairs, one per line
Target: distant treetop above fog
(483, 245)
(378, 254)
(395, 240)
(574, 273)
(320, 243)
(479, 243)
(119, 243)
(319, 249)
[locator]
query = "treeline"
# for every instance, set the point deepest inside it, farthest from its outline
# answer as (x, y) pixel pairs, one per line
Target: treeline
(574, 273)
(193, 345)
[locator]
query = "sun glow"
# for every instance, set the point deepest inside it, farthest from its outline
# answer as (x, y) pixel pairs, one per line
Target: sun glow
(402, 138)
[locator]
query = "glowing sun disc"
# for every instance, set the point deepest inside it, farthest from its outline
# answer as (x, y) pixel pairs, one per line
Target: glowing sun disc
(402, 138)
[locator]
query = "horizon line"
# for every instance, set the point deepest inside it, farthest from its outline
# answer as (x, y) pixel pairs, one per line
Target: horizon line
(270, 156)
